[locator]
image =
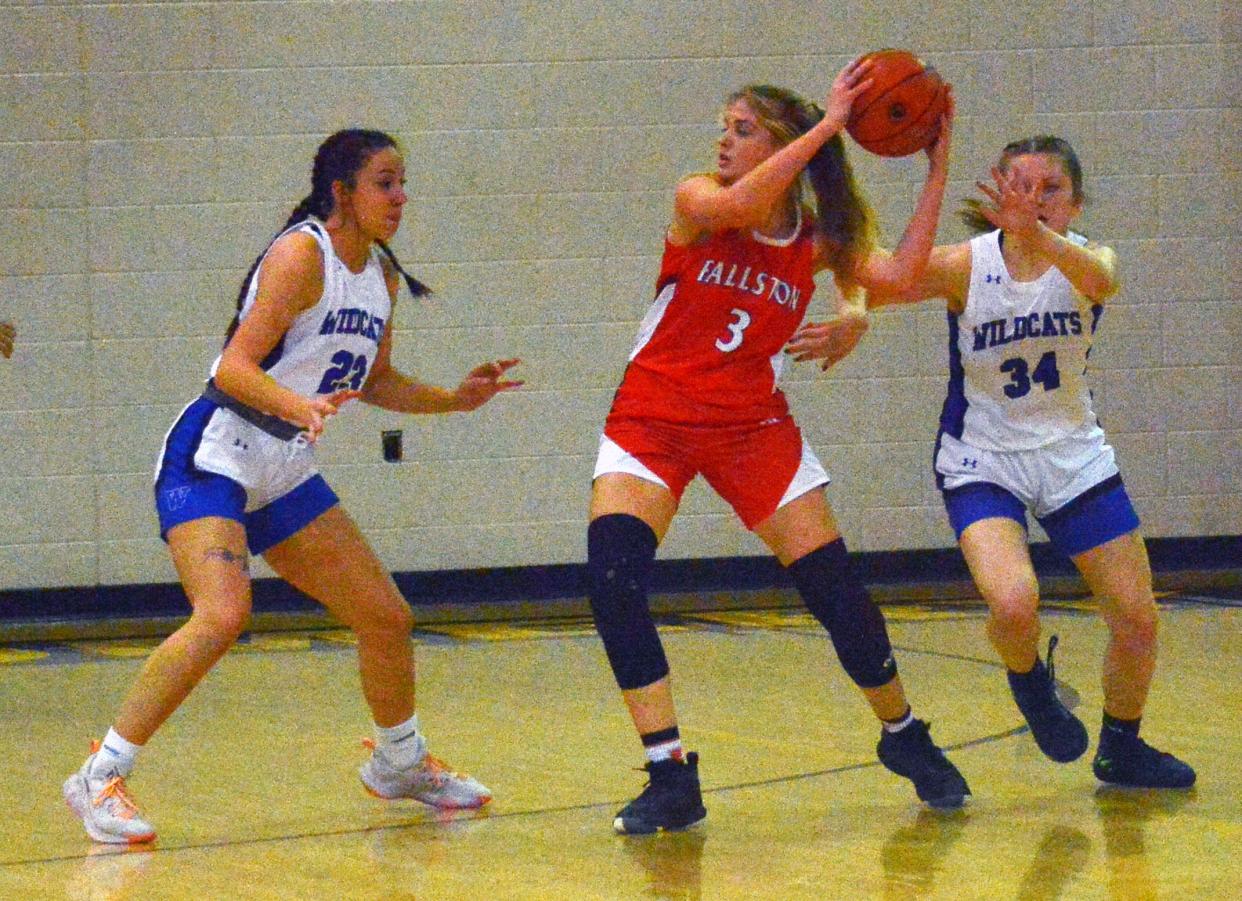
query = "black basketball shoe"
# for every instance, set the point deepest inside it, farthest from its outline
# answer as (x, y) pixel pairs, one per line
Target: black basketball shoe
(1059, 734)
(912, 753)
(670, 800)
(1122, 758)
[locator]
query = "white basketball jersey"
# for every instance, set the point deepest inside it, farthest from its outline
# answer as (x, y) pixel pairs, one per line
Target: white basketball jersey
(1018, 356)
(327, 348)
(330, 346)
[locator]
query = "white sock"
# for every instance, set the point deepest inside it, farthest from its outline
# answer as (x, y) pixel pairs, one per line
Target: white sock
(900, 724)
(403, 745)
(665, 751)
(116, 755)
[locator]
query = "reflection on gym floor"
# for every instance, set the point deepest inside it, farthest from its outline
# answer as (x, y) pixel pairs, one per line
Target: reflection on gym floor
(253, 783)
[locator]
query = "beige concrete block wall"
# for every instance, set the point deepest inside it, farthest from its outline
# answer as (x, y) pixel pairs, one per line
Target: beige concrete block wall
(149, 150)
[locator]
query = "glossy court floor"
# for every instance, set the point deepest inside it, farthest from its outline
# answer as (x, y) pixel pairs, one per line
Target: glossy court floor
(253, 783)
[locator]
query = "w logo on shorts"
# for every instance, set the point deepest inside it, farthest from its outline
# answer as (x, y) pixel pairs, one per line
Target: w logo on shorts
(175, 498)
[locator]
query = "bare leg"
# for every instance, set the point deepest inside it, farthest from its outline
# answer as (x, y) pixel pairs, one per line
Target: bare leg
(1000, 563)
(331, 561)
(1119, 575)
(211, 559)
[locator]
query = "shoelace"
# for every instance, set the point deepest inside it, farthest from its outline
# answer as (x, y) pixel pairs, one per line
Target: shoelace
(437, 768)
(115, 788)
(1052, 670)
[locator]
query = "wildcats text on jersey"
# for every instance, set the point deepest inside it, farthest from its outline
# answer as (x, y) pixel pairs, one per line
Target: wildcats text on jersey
(1005, 331)
(352, 321)
(718, 272)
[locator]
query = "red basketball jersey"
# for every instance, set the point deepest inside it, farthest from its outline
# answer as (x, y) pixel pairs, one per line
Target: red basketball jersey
(711, 348)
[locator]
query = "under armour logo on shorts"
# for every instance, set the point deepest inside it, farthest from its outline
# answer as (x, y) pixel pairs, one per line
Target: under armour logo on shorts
(175, 498)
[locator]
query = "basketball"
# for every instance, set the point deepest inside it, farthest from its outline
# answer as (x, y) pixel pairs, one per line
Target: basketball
(900, 113)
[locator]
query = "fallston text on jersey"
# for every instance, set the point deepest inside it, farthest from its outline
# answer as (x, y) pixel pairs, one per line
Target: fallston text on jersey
(715, 273)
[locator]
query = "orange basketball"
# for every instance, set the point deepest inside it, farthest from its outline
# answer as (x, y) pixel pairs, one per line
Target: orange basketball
(900, 113)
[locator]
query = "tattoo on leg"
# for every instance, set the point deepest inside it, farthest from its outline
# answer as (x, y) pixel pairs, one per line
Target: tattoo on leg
(225, 555)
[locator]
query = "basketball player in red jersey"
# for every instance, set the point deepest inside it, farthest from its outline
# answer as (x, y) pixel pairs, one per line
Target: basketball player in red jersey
(700, 396)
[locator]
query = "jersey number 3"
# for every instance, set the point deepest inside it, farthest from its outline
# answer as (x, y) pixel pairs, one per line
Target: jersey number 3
(734, 341)
(1020, 376)
(346, 371)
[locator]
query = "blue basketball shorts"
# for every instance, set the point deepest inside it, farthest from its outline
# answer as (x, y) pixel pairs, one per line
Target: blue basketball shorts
(1072, 487)
(184, 491)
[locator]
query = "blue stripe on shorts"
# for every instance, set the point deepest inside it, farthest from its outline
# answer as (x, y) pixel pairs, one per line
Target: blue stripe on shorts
(1098, 515)
(184, 493)
(974, 501)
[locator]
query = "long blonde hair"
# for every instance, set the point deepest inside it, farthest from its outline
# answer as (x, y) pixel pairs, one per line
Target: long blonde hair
(843, 217)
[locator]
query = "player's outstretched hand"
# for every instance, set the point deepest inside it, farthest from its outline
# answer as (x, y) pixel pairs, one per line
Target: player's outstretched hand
(7, 334)
(484, 382)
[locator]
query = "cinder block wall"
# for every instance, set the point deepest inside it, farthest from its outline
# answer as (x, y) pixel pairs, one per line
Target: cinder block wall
(149, 150)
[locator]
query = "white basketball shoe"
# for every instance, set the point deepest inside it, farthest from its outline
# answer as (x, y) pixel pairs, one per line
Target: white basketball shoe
(105, 807)
(430, 781)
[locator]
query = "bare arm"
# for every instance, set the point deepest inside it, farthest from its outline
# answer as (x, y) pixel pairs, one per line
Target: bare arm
(1091, 269)
(7, 334)
(703, 205)
(290, 281)
(892, 273)
(947, 275)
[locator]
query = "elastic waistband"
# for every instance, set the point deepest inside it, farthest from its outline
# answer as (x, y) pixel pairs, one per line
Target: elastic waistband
(273, 425)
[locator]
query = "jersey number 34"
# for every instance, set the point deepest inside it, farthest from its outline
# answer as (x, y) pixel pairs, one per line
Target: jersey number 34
(1020, 375)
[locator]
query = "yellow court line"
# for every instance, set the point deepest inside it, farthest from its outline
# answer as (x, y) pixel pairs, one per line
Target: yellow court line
(512, 632)
(271, 644)
(758, 619)
(15, 655)
(115, 650)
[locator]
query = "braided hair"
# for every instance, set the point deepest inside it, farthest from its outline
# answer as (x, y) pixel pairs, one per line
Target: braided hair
(842, 215)
(339, 158)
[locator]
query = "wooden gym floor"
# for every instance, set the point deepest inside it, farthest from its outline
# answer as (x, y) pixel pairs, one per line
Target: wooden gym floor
(253, 783)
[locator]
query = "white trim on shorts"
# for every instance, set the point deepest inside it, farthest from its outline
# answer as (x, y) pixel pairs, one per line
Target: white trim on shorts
(1044, 479)
(614, 458)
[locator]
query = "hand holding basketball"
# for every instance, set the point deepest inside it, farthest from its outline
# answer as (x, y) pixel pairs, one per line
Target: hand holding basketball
(938, 150)
(851, 81)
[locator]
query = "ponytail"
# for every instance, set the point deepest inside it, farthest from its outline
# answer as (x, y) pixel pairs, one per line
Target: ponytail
(417, 288)
(843, 218)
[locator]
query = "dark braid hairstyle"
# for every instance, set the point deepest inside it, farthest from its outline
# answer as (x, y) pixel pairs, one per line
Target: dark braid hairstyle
(339, 158)
(970, 212)
(842, 214)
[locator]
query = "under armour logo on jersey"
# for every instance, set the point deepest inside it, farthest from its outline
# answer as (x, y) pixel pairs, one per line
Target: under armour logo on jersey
(992, 279)
(174, 499)
(967, 461)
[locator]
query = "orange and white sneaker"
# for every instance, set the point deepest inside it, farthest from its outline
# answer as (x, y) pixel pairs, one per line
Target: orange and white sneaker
(430, 781)
(105, 807)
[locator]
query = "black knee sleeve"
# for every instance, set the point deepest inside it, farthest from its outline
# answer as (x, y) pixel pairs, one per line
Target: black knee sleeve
(620, 551)
(841, 603)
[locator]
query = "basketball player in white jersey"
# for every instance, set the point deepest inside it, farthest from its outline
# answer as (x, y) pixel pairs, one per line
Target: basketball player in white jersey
(237, 476)
(1017, 433)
